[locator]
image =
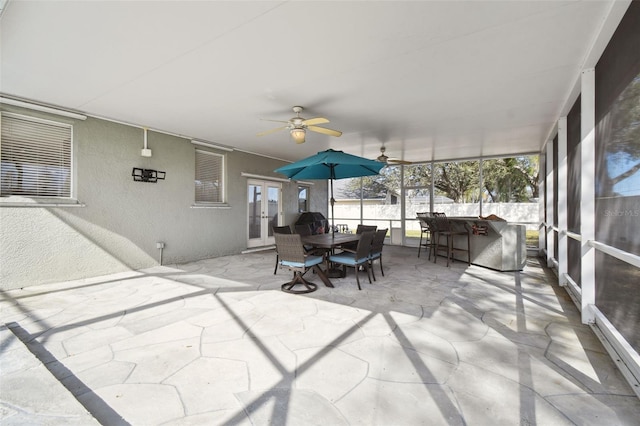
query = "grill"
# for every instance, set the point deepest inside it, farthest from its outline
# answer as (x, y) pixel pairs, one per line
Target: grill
(316, 220)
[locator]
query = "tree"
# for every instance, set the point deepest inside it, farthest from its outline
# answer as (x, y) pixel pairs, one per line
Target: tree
(504, 180)
(529, 168)
(458, 180)
(376, 186)
(513, 179)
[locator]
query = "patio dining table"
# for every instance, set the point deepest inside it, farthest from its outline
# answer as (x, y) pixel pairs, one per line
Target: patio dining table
(329, 241)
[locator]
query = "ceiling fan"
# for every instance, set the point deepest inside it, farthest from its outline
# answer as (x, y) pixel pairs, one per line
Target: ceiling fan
(298, 126)
(389, 161)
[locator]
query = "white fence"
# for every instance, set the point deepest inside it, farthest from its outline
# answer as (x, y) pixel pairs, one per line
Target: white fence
(385, 215)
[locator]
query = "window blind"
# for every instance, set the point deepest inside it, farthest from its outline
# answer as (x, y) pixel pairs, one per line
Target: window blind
(209, 177)
(35, 157)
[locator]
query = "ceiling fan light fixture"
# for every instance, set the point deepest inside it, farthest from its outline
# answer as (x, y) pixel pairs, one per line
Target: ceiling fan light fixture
(298, 135)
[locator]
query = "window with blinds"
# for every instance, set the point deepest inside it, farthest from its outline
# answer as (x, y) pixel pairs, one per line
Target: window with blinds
(209, 177)
(35, 157)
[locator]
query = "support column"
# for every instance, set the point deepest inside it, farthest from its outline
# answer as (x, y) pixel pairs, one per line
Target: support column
(587, 206)
(403, 205)
(542, 171)
(480, 185)
(549, 230)
(432, 191)
(563, 177)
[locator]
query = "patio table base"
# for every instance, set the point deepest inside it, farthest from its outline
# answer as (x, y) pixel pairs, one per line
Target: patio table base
(336, 273)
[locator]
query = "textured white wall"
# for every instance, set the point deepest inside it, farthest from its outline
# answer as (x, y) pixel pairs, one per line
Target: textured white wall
(121, 221)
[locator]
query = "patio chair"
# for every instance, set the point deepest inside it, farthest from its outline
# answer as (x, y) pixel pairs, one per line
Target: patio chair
(280, 230)
(445, 229)
(359, 230)
(364, 228)
(304, 230)
(357, 258)
(293, 257)
(376, 250)
(427, 233)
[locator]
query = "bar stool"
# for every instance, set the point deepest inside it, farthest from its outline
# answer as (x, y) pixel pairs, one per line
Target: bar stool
(445, 229)
(426, 233)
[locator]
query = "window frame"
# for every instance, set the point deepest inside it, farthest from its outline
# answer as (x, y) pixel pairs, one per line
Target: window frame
(223, 178)
(308, 198)
(72, 161)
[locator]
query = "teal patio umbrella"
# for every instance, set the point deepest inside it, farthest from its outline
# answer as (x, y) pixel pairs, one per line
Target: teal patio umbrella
(331, 165)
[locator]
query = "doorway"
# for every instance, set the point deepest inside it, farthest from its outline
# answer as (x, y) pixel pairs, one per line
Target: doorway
(264, 211)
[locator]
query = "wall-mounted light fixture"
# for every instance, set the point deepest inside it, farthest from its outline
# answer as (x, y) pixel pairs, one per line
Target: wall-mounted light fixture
(298, 134)
(147, 175)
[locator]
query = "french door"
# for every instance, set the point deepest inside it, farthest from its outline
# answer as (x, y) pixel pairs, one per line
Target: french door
(264, 211)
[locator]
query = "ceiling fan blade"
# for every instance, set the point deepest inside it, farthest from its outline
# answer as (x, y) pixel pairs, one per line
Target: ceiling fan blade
(325, 131)
(266, 132)
(392, 161)
(275, 121)
(313, 121)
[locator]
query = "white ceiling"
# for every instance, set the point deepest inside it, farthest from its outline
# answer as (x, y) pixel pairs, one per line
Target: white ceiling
(432, 80)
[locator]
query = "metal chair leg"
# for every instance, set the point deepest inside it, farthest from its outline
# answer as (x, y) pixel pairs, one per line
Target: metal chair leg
(298, 280)
(432, 244)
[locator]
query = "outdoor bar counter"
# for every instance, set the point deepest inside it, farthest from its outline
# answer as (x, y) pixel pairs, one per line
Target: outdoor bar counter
(495, 244)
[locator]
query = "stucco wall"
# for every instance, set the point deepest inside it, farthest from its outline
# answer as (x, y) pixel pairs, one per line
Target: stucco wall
(118, 222)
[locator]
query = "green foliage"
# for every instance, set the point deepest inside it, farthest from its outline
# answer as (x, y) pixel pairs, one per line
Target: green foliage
(376, 186)
(505, 179)
(512, 179)
(619, 131)
(458, 180)
(417, 175)
(625, 122)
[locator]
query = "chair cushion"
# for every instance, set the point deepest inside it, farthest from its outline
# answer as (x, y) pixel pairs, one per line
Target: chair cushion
(308, 261)
(347, 259)
(375, 255)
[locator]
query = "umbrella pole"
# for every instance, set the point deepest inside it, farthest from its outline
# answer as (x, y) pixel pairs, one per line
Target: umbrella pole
(333, 228)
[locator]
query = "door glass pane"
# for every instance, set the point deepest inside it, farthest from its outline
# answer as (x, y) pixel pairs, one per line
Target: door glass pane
(273, 195)
(255, 210)
(303, 199)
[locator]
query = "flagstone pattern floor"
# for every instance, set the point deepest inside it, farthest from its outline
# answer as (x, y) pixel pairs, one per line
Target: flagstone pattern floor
(217, 342)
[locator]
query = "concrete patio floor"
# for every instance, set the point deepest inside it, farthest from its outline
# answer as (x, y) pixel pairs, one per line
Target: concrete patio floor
(217, 342)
